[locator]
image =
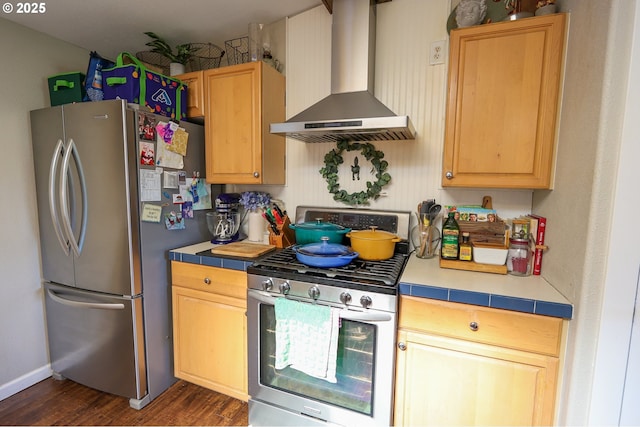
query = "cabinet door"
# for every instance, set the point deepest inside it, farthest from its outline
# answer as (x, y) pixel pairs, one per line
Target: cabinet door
(195, 93)
(502, 106)
(210, 341)
(233, 124)
(445, 381)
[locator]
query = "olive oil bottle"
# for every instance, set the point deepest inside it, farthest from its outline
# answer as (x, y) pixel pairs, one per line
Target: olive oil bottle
(450, 236)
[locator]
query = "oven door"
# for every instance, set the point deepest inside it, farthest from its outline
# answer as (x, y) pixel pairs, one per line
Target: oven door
(363, 394)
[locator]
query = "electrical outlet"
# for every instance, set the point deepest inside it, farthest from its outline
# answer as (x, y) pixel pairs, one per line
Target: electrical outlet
(438, 52)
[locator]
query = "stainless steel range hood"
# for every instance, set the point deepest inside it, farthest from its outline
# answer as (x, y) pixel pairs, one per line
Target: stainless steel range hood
(351, 112)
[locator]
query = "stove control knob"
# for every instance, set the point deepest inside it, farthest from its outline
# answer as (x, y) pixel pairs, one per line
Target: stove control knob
(365, 300)
(285, 288)
(267, 285)
(314, 292)
(345, 297)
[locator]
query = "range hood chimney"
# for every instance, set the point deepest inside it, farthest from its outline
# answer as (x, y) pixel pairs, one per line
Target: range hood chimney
(351, 112)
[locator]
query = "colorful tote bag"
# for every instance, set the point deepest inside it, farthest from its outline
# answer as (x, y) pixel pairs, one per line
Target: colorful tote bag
(155, 92)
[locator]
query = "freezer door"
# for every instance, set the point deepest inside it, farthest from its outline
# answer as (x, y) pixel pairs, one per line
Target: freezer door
(98, 133)
(47, 134)
(96, 340)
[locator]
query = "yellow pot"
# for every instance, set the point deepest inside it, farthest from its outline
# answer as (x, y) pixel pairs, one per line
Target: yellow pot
(373, 244)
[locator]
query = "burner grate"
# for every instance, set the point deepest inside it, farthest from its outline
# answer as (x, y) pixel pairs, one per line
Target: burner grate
(381, 273)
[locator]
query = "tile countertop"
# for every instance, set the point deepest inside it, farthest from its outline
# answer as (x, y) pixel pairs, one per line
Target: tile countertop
(190, 254)
(424, 278)
(533, 294)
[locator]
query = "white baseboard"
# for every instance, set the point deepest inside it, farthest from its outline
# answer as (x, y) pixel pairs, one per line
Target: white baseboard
(25, 381)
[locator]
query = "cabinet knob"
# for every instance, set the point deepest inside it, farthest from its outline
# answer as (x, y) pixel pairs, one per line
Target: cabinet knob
(449, 175)
(256, 174)
(207, 281)
(473, 326)
(402, 346)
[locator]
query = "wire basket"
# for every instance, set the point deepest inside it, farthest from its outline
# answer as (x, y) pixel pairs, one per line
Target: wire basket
(237, 50)
(206, 56)
(157, 61)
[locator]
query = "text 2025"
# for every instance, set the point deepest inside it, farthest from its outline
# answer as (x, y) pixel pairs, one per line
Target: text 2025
(31, 7)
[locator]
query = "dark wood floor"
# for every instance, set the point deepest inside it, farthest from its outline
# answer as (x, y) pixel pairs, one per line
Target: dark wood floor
(56, 403)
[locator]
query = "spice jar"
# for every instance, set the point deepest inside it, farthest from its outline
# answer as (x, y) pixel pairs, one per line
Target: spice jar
(519, 257)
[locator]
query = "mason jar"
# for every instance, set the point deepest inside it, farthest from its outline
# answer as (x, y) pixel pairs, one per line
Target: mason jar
(519, 257)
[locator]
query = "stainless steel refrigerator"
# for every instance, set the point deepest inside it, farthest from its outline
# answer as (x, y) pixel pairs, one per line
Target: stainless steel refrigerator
(105, 269)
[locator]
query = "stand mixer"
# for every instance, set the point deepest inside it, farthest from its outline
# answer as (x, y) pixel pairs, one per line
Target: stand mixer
(224, 223)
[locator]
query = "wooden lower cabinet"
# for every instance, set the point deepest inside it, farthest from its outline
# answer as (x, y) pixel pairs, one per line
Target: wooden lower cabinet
(210, 327)
(445, 377)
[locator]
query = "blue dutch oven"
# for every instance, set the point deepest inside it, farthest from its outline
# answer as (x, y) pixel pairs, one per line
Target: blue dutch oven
(324, 254)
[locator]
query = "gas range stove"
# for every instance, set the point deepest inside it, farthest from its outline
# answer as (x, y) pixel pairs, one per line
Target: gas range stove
(370, 284)
(372, 276)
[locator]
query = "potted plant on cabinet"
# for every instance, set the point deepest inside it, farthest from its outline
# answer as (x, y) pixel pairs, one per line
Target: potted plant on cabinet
(179, 58)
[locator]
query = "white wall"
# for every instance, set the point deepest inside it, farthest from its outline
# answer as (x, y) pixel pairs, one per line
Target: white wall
(406, 83)
(580, 209)
(617, 370)
(27, 59)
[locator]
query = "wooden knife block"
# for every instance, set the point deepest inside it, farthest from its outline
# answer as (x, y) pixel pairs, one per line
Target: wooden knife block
(287, 236)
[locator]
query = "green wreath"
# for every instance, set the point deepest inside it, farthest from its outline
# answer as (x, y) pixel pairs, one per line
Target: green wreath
(333, 159)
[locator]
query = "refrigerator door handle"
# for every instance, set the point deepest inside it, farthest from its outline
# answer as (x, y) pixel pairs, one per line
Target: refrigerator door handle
(76, 245)
(80, 304)
(52, 198)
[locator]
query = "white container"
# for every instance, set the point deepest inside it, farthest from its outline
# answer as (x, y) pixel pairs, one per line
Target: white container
(257, 226)
(489, 254)
(175, 68)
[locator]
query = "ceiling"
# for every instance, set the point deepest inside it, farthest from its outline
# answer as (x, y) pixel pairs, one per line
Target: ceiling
(113, 26)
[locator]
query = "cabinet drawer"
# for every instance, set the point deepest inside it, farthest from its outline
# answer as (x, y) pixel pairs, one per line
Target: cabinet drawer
(521, 331)
(216, 280)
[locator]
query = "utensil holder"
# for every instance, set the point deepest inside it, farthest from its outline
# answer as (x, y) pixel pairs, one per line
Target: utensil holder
(426, 240)
(286, 237)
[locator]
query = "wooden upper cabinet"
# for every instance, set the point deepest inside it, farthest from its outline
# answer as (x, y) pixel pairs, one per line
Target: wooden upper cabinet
(503, 101)
(195, 93)
(241, 102)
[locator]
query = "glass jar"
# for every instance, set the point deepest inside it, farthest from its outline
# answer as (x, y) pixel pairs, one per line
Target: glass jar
(519, 257)
(425, 239)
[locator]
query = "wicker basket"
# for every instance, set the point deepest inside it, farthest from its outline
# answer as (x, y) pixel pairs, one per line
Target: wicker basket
(154, 61)
(237, 50)
(206, 56)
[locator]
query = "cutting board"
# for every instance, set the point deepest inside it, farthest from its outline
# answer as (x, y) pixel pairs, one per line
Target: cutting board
(473, 266)
(243, 249)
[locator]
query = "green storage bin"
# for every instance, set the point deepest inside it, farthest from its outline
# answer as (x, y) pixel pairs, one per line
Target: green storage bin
(66, 88)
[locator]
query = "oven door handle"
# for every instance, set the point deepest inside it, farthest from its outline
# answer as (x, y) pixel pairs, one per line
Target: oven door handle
(346, 314)
(364, 316)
